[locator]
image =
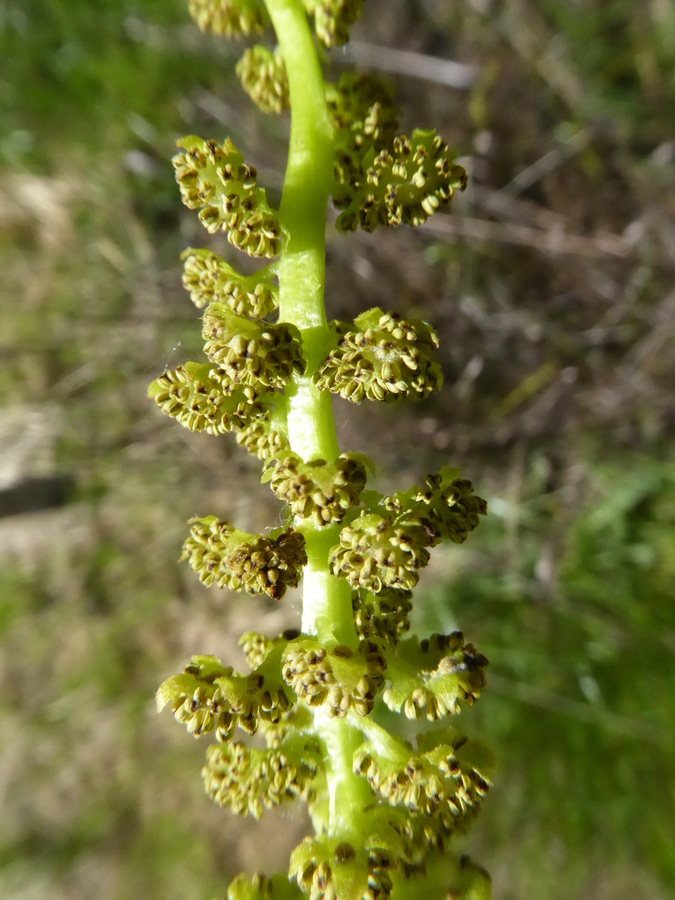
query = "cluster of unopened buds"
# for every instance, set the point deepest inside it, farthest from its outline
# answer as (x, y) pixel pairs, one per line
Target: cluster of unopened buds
(303, 685)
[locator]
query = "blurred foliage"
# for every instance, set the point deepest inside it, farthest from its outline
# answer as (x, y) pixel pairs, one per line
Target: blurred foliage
(85, 68)
(624, 52)
(550, 360)
(573, 606)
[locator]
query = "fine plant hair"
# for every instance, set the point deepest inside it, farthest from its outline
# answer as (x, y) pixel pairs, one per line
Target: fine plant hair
(383, 808)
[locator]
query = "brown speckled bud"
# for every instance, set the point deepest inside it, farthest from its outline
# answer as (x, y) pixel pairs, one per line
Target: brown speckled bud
(214, 179)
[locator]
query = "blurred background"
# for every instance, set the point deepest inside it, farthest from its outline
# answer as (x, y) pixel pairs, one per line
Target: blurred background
(552, 289)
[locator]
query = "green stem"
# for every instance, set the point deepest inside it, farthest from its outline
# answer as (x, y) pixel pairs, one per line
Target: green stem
(301, 269)
(327, 600)
(327, 608)
(384, 744)
(348, 794)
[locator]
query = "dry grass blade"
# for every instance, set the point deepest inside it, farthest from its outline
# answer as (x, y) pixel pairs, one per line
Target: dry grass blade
(415, 65)
(555, 242)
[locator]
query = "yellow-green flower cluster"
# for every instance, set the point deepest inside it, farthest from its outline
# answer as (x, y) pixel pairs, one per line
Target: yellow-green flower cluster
(334, 868)
(231, 18)
(446, 783)
(375, 553)
(403, 183)
(250, 780)
(215, 179)
(333, 19)
(263, 76)
(355, 102)
(197, 701)
(429, 678)
(447, 506)
(204, 398)
(261, 440)
(384, 358)
(251, 352)
(209, 279)
(208, 697)
(387, 548)
(381, 617)
(256, 563)
(365, 119)
(317, 490)
(338, 679)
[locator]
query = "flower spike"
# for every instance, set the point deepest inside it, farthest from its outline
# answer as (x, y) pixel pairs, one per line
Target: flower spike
(381, 807)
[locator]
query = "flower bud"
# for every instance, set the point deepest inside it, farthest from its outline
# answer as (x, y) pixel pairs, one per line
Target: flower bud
(261, 440)
(333, 18)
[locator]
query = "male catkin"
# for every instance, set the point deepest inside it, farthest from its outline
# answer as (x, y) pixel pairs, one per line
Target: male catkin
(382, 807)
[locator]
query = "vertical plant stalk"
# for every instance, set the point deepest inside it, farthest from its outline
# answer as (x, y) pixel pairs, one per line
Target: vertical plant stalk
(382, 807)
(326, 604)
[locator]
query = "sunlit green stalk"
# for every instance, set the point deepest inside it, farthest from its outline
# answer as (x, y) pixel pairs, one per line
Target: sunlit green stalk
(327, 610)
